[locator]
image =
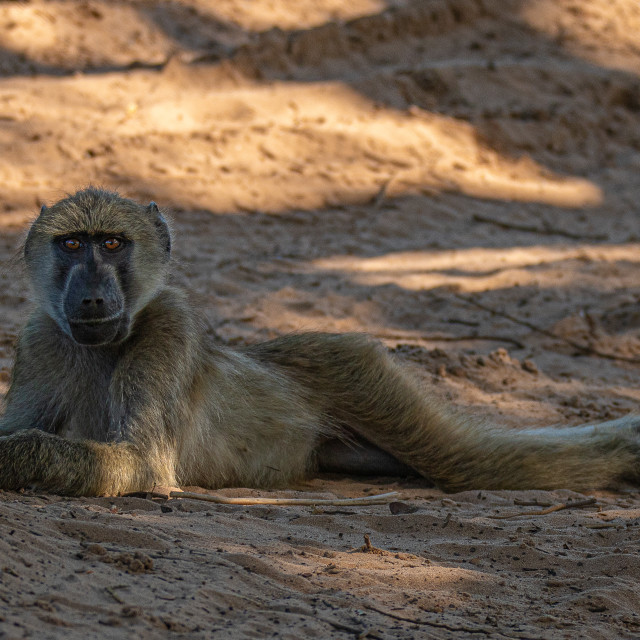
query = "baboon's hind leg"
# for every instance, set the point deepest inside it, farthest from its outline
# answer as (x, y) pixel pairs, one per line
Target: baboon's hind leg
(358, 457)
(360, 385)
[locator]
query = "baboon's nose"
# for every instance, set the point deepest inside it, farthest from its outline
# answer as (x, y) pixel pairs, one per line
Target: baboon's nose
(95, 301)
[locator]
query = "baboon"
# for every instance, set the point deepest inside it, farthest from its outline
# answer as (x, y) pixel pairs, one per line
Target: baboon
(117, 387)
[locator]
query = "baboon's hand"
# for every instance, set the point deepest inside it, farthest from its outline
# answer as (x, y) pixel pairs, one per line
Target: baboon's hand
(21, 456)
(35, 458)
(72, 467)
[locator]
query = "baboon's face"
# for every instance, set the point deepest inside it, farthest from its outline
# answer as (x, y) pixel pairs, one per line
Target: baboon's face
(95, 260)
(92, 274)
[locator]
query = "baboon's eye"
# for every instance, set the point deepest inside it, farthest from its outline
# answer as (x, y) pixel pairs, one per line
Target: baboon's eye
(112, 244)
(71, 244)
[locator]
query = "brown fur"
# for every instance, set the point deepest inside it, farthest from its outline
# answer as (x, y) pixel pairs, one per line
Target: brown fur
(161, 403)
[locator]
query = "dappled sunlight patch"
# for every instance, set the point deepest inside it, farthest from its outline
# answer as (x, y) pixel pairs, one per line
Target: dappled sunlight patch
(581, 31)
(617, 516)
(107, 34)
(68, 35)
(563, 192)
(359, 572)
(260, 16)
(269, 147)
(482, 269)
(312, 145)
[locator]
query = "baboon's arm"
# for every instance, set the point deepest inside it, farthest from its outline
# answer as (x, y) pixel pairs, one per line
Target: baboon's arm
(94, 426)
(33, 457)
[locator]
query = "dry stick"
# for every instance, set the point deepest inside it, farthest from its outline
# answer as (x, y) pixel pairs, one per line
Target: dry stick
(531, 503)
(546, 230)
(586, 349)
(556, 507)
(111, 591)
(381, 195)
(381, 498)
(437, 338)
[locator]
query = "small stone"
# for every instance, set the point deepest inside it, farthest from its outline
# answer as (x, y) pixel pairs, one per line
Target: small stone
(401, 507)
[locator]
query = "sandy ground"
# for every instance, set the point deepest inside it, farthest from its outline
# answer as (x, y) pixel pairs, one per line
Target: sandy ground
(461, 180)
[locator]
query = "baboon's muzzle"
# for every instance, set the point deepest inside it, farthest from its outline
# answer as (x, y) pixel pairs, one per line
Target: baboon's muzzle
(94, 307)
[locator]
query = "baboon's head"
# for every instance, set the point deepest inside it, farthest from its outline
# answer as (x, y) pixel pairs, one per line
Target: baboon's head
(94, 260)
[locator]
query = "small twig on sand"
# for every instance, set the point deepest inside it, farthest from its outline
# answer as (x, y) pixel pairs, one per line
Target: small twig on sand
(381, 498)
(378, 200)
(531, 503)
(441, 338)
(584, 348)
(576, 504)
(367, 547)
(545, 230)
(112, 592)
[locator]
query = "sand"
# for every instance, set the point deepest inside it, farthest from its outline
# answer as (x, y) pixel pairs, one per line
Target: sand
(460, 180)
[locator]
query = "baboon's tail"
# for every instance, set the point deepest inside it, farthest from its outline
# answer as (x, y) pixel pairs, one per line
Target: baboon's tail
(358, 384)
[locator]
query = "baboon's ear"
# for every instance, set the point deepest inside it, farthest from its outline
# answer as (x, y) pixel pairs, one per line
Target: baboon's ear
(161, 226)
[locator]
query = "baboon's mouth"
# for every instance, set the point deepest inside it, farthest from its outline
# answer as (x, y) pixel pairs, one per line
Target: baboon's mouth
(96, 321)
(97, 331)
